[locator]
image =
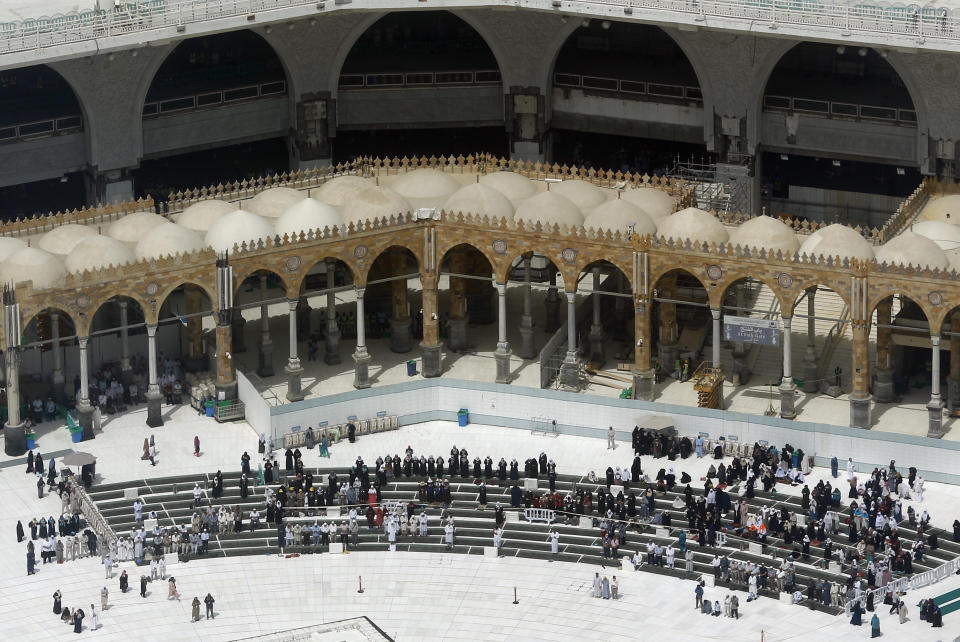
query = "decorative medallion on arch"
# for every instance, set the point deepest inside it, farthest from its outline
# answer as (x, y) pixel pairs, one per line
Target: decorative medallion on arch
(714, 272)
(784, 280)
(83, 301)
(152, 288)
(500, 246)
(361, 251)
(935, 298)
(569, 254)
(292, 263)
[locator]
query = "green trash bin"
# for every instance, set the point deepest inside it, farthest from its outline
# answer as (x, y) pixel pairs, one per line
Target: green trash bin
(463, 417)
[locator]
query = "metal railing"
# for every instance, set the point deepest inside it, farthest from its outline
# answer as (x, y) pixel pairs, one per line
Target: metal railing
(416, 79)
(874, 21)
(833, 108)
(41, 128)
(640, 88)
(214, 98)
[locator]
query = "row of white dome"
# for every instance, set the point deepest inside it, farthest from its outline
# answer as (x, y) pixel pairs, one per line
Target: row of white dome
(345, 199)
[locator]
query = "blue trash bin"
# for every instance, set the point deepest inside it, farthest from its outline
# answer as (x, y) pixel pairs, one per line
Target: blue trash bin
(208, 407)
(411, 368)
(463, 417)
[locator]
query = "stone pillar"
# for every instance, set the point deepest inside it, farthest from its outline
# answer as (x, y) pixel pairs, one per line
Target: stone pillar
(265, 367)
(457, 319)
(860, 398)
(430, 349)
(237, 324)
(84, 409)
(125, 369)
(194, 304)
(57, 380)
(400, 338)
(715, 357)
(669, 332)
(153, 395)
(552, 305)
(643, 373)
(293, 368)
(226, 385)
(787, 387)
(502, 353)
(331, 353)
(883, 388)
(935, 407)
(570, 368)
(810, 378)
(361, 357)
(528, 348)
(15, 435)
(953, 380)
(525, 117)
(303, 317)
(597, 356)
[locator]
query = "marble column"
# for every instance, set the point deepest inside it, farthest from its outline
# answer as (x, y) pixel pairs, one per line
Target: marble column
(237, 324)
(154, 398)
(935, 406)
(430, 348)
(643, 373)
(265, 367)
(58, 378)
(502, 354)
(226, 384)
(126, 371)
(401, 340)
(860, 398)
(331, 353)
(597, 356)
(570, 368)
(457, 319)
(528, 348)
(953, 380)
(787, 387)
(361, 357)
(293, 369)
(15, 435)
(84, 408)
(552, 304)
(883, 387)
(810, 378)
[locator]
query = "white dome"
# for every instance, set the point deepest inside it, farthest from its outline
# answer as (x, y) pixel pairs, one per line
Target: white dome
(477, 198)
(584, 195)
(549, 208)
(942, 208)
(166, 240)
(133, 227)
(425, 184)
(655, 202)
(61, 240)
(9, 245)
(337, 191)
(912, 249)
(694, 224)
(237, 228)
(32, 264)
(513, 186)
(837, 240)
(308, 214)
(946, 235)
(98, 252)
(767, 233)
(273, 202)
(618, 215)
(199, 217)
(954, 257)
(374, 202)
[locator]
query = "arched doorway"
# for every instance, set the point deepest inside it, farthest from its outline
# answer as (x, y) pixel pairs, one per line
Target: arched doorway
(837, 119)
(36, 102)
(638, 65)
(468, 304)
(419, 83)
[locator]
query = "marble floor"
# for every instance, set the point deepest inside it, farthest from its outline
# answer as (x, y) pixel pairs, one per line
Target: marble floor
(411, 596)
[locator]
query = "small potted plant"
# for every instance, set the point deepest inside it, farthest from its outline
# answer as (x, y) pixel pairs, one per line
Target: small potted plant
(31, 439)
